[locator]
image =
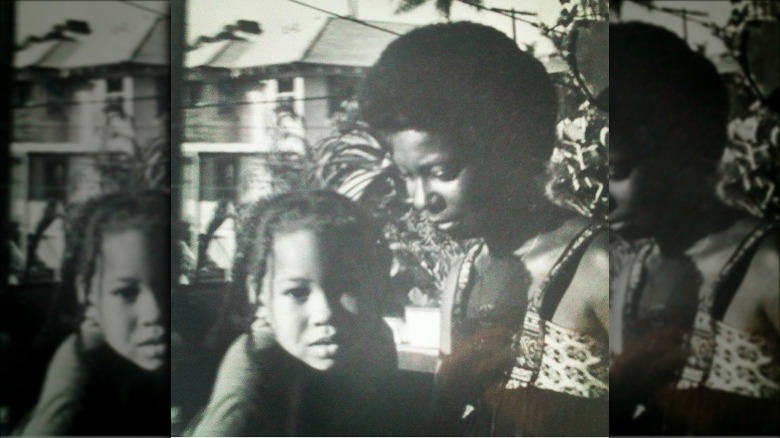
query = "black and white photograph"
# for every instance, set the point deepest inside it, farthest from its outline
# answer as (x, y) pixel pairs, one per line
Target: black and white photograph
(392, 219)
(695, 309)
(85, 328)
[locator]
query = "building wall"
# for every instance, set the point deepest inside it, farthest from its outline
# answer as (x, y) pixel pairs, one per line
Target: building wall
(36, 122)
(75, 132)
(146, 111)
(317, 113)
(207, 124)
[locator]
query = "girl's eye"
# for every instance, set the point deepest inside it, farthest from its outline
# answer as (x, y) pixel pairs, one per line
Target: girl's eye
(298, 293)
(128, 293)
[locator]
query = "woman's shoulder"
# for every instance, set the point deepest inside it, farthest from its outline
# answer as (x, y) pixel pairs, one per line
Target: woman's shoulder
(576, 240)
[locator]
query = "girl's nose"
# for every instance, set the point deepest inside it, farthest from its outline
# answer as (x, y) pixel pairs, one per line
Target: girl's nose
(320, 308)
(148, 307)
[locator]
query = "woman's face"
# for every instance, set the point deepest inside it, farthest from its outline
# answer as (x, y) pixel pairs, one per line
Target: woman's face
(634, 199)
(128, 285)
(440, 182)
(314, 292)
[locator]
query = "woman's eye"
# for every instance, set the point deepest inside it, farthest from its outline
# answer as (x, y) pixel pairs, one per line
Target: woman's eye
(128, 293)
(618, 173)
(298, 293)
(406, 176)
(444, 172)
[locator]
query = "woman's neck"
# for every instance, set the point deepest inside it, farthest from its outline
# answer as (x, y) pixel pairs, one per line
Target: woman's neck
(511, 228)
(693, 223)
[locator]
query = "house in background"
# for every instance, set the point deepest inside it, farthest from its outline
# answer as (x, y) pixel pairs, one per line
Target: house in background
(76, 95)
(255, 100)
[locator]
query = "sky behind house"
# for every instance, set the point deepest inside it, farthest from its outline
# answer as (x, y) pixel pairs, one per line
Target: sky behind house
(207, 17)
(718, 11)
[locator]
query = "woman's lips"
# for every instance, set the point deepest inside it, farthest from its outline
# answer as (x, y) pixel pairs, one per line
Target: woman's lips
(618, 225)
(445, 225)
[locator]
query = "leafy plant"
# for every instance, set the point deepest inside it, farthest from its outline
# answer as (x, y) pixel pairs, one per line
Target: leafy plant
(143, 165)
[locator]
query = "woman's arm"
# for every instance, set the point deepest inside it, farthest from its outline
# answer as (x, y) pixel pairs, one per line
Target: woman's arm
(595, 262)
(763, 276)
(585, 305)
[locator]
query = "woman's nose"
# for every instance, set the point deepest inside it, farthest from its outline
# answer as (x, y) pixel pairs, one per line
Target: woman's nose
(423, 198)
(418, 193)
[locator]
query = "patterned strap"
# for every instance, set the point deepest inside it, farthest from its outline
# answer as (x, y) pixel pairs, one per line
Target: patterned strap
(701, 344)
(462, 287)
(635, 278)
(528, 345)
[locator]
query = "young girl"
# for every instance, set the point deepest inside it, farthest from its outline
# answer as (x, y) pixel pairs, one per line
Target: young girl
(110, 377)
(316, 358)
(470, 121)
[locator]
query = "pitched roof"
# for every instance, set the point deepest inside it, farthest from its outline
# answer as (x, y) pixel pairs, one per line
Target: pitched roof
(33, 54)
(337, 41)
(345, 42)
(143, 42)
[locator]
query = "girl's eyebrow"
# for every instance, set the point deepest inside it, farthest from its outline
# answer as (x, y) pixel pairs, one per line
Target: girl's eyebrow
(129, 280)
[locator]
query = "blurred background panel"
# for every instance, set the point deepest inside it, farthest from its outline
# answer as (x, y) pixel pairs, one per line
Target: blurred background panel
(90, 103)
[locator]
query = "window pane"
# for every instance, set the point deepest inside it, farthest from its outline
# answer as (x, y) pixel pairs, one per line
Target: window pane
(47, 177)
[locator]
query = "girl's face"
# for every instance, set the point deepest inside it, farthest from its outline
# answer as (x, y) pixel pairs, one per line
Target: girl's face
(314, 293)
(440, 182)
(128, 285)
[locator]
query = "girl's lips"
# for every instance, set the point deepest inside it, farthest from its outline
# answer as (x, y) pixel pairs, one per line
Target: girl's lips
(154, 349)
(326, 351)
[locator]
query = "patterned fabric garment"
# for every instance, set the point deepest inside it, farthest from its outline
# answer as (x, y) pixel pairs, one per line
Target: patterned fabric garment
(573, 363)
(744, 363)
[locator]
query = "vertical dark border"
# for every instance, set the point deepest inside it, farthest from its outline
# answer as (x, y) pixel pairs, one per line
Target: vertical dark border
(177, 42)
(7, 27)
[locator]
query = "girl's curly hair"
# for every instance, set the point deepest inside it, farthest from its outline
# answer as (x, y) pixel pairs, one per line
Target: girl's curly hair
(324, 212)
(147, 211)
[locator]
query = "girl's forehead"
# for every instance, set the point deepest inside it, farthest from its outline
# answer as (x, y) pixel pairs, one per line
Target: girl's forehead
(307, 246)
(128, 247)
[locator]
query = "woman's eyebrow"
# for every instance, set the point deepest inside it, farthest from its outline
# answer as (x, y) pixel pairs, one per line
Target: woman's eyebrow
(302, 280)
(437, 161)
